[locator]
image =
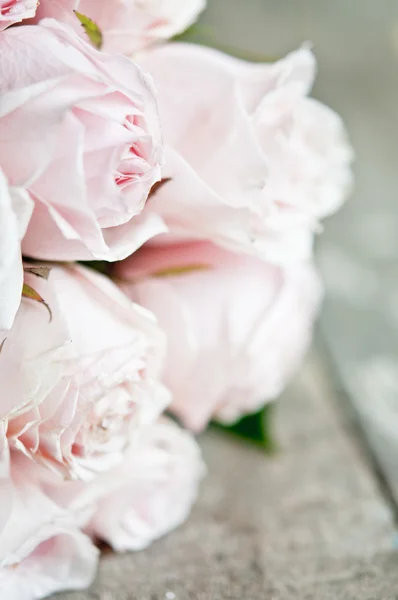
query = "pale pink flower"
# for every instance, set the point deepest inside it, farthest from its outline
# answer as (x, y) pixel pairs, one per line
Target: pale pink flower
(150, 493)
(77, 389)
(14, 11)
(155, 488)
(42, 550)
(15, 211)
(254, 163)
(127, 25)
(237, 327)
(79, 130)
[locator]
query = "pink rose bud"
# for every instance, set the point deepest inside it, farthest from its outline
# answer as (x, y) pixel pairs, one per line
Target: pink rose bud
(237, 327)
(79, 130)
(78, 388)
(126, 26)
(254, 163)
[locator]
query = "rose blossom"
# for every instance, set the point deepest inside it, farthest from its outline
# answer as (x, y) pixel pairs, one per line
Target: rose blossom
(237, 327)
(15, 211)
(254, 163)
(14, 11)
(155, 488)
(126, 26)
(41, 548)
(79, 129)
(147, 495)
(76, 389)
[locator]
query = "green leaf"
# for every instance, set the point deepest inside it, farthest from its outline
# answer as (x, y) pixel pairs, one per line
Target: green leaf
(101, 266)
(256, 428)
(29, 292)
(91, 28)
(172, 271)
(39, 271)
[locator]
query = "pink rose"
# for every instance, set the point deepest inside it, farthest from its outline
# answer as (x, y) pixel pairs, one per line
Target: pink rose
(78, 388)
(14, 11)
(127, 26)
(15, 211)
(150, 493)
(79, 130)
(237, 327)
(155, 488)
(254, 163)
(41, 548)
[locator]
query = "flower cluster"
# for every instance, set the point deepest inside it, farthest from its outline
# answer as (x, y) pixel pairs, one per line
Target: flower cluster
(158, 206)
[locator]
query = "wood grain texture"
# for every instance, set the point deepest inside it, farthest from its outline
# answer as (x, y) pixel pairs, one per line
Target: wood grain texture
(309, 522)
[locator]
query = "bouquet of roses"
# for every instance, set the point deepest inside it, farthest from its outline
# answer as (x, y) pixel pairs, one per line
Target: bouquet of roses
(158, 203)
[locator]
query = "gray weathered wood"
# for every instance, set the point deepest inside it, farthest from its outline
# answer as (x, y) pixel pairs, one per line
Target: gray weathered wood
(307, 523)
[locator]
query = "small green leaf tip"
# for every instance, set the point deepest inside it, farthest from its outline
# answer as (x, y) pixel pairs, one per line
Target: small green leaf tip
(92, 30)
(29, 292)
(39, 271)
(256, 428)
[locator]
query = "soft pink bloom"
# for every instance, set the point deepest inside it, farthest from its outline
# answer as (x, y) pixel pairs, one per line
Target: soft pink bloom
(77, 389)
(79, 130)
(42, 550)
(15, 211)
(237, 327)
(155, 488)
(150, 493)
(14, 11)
(127, 25)
(254, 163)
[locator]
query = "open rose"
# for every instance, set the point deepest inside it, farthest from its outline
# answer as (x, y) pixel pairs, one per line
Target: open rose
(42, 550)
(79, 130)
(126, 26)
(15, 211)
(76, 389)
(14, 11)
(254, 163)
(150, 493)
(237, 327)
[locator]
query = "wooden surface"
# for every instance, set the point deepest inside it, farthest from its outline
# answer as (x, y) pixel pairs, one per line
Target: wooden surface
(317, 520)
(308, 523)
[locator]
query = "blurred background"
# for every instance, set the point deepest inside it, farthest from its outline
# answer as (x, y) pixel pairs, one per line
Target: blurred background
(356, 45)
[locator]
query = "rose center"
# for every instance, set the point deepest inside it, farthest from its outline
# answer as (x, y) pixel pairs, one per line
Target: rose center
(5, 8)
(133, 164)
